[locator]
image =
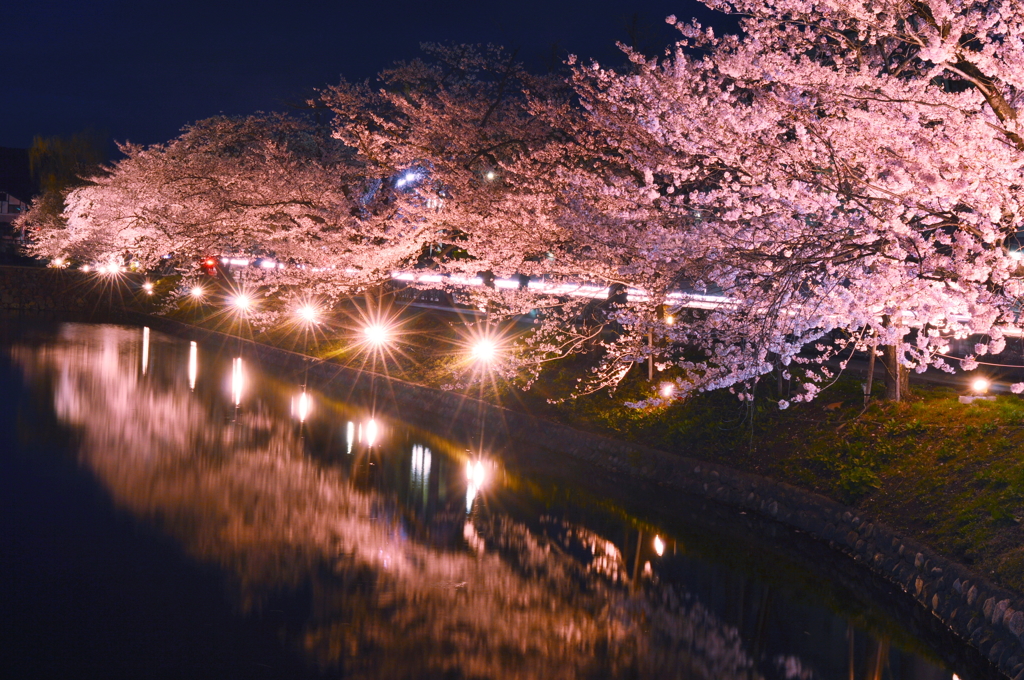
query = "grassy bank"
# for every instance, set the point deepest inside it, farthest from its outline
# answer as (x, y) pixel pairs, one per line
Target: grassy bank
(948, 474)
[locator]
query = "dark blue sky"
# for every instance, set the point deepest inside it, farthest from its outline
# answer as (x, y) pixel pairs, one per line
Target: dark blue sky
(139, 70)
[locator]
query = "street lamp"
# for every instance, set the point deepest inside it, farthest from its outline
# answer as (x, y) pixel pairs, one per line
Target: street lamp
(148, 287)
(376, 334)
(308, 313)
(242, 302)
(980, 385)
(197, 292)
(485, 350)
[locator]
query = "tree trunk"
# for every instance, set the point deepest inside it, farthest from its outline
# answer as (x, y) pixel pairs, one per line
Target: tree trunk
(897, 376)
(871, 376)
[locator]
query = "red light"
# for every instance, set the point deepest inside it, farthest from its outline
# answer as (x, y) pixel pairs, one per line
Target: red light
(210, 262)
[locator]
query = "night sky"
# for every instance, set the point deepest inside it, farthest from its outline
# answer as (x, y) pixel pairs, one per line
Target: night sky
(139, 70)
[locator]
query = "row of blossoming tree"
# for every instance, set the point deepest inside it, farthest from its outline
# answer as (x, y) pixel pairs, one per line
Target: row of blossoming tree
(841, 175)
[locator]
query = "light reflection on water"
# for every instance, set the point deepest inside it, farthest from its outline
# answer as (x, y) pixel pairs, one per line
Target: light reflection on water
(415, 565)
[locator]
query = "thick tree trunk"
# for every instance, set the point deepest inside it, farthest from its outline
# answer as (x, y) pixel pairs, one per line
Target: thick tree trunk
(897, 376)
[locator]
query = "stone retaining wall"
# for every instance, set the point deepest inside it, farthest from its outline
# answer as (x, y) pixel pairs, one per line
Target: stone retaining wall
(48, 290)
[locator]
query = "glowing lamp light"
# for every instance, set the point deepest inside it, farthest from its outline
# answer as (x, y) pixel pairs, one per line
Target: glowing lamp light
(485, 350)
(57, 262)
(669, 320)
(980, 385)
(407, 178)
(475, 473)
(193, 365)
(476, 476)
(667, 390)
(308, 313)
(371, 432)
(242, 302)
(490, 175)
(148, 287)
(659, 546)
(376, 334)
(86, 268)
(197, 292)
(303, 407)
(237, 380)
(145, 349)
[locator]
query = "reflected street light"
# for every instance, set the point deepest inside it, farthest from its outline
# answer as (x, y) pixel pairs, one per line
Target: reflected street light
(371, 432)
(193, 365)
(476, 476)
(237, 380)
(145, 349)
(303, 407)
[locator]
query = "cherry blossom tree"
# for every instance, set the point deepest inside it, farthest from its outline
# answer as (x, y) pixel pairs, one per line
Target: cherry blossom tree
(265, 185)
(843, 169)
(842, 175)
(455, 135)
(472, 143)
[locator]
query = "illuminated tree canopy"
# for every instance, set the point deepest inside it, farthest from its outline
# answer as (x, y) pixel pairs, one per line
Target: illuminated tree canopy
(843, 169)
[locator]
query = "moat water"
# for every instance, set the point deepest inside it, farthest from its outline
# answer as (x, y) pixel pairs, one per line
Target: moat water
(170, 509)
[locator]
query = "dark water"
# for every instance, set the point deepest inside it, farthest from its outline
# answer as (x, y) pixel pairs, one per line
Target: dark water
(169, 511)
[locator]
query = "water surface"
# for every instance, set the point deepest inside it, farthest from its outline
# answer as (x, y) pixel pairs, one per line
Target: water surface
(172, 510)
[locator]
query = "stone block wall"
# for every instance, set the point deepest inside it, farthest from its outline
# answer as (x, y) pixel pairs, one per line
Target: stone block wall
(48, 290)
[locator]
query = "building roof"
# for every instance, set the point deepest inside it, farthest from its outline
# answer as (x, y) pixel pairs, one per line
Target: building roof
(15, 175)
